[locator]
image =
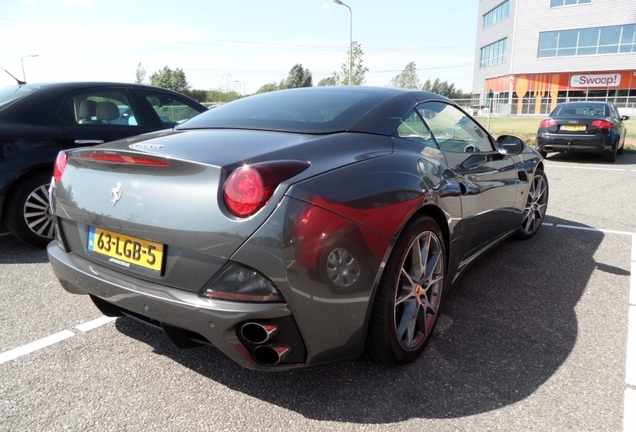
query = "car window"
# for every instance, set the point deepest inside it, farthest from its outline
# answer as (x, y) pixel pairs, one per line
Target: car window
(171, 110)
(454, 130)
(591, 110)
(102, 107)
(413, 128)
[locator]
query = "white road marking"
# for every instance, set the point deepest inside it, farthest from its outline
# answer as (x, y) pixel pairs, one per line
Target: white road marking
(590, 168)
(88, 326)
(34, 346)
(53, 339)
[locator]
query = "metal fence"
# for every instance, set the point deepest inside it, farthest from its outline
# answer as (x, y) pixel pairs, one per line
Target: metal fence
(542, 106)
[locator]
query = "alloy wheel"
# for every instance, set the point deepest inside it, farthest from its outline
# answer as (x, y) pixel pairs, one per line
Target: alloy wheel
(536, 205)
(419, 291)
(36, 213)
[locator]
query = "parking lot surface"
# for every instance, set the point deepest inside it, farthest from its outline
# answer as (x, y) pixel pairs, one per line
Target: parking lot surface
(535, 336)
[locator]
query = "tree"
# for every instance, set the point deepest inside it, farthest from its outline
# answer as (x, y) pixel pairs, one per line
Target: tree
(407, 78)
(298, 77)
(266, 88)
(140, 74)
(333, 80)
(445, 89)
(169, 79)
(354, 56)
(357, 73)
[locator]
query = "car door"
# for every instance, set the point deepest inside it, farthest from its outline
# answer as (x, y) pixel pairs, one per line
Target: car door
(488, 180)
(98, 115)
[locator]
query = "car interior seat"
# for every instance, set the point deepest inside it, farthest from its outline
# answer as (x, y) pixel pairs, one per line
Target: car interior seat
(106, 112)
(86, 111)
(570, 111)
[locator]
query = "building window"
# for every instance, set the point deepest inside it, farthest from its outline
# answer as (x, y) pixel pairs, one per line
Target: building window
(558, 3)
(493, 54)
(497, 14)
(590, 41)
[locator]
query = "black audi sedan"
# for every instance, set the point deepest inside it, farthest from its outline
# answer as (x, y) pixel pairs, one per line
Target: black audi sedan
(39, 120)
(591, 127)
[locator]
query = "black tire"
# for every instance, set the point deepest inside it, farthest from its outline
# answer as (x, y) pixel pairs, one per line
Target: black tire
(26, 212)
(408, 302)
(610, 156)
(620, 150)
(536, 206)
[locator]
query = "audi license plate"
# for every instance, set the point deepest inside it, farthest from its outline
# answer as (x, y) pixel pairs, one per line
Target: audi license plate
(125, 250)
(574, 128)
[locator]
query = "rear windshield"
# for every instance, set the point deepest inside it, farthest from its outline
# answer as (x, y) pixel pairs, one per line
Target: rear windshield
(315, 110)
(10, 94)
(581, 110)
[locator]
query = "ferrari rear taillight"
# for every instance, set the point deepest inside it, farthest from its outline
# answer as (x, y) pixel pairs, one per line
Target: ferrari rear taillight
(238, 283)
(602, 124)
(249, 188)
(60, 166)
(125, 159)
(547, 123)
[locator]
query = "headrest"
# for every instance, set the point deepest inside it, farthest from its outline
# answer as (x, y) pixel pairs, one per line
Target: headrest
(87, 108)
(106, 111)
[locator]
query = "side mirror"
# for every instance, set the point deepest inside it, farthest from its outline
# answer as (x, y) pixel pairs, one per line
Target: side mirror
(624, 117)
(510, 145)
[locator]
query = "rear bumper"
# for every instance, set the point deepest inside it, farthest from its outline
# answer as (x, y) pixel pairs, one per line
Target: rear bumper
(574, 143)
(216, 321)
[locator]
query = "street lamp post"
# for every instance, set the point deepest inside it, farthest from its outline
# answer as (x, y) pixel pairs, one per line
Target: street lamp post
(350, 36)
(22, 62)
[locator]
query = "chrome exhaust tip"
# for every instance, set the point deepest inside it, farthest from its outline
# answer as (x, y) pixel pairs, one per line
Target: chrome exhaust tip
(271, 355)
(258, 333)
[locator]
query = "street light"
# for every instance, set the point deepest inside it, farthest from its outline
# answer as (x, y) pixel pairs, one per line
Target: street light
(22, 62)
(350, 36)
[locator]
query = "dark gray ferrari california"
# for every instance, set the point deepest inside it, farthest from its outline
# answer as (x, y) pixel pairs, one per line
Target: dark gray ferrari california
(293, 228)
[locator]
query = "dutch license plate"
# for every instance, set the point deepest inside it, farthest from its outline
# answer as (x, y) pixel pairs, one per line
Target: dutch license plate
(125, 250)
(574, 128)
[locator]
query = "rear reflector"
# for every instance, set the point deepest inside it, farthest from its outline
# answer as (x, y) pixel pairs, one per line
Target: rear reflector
(124, 159)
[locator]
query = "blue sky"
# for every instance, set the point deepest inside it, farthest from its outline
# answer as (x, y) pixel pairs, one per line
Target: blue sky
(234, 44)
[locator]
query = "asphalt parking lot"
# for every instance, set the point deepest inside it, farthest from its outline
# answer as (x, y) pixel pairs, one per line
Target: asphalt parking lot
(533, 337)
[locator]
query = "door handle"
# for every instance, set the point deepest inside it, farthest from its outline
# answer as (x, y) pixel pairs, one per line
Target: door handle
(88, 141)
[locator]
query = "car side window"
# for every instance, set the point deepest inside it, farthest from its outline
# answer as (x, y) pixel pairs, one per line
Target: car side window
(101, 107)
(171, 110)
(413, 128)
(454, 130)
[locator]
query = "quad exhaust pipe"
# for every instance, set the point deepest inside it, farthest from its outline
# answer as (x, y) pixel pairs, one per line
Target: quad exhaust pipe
(258, 333)
(271, 355)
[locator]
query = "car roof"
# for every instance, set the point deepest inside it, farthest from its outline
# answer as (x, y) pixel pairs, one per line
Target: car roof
(325, 109)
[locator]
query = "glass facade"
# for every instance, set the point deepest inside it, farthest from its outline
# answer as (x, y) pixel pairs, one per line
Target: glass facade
(494, 53)
(497, 14)
(557, 3)
(589, 41)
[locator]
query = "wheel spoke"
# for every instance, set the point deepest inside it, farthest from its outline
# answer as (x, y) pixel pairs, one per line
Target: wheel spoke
(407, 320)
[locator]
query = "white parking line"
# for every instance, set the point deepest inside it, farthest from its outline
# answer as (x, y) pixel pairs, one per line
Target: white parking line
(88, 326)
(53, 339)
(34, 346)
(590, 168)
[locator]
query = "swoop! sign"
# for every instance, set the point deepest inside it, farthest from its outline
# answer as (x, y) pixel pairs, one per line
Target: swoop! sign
(607, 80)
